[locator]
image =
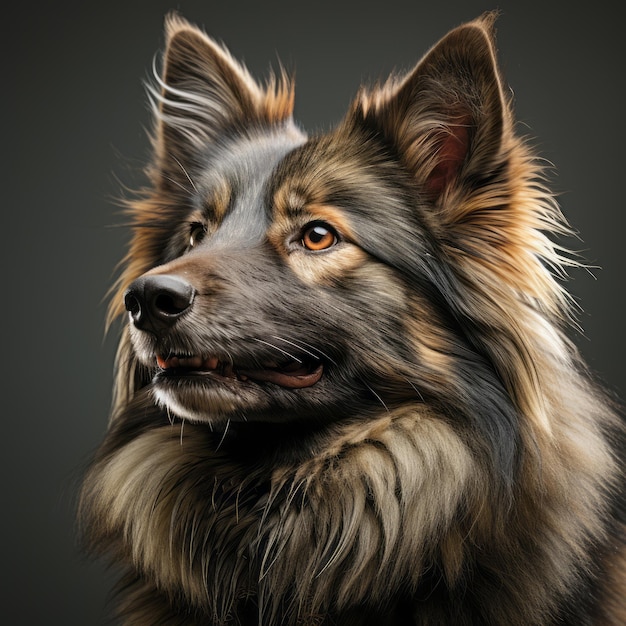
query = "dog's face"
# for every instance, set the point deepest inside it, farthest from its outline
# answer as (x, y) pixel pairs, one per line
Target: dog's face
(272, 302)
(285, 278)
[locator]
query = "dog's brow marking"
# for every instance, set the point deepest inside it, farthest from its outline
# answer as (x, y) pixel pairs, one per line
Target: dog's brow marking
(288, 200)
(219, 199)
(332, 215)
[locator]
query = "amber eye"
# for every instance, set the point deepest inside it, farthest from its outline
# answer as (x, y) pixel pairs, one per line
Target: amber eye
(318, 237)
(197, 231)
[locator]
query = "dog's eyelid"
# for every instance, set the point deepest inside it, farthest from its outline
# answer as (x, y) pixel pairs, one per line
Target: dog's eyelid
(197, 232)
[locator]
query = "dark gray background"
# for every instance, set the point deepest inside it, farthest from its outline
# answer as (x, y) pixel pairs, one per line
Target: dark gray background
(74, 113)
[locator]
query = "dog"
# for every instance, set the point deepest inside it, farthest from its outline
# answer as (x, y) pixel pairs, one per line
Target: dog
(345, 393)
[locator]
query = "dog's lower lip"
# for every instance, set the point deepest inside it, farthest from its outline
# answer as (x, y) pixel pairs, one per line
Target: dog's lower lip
(293, 379)
(293, 375)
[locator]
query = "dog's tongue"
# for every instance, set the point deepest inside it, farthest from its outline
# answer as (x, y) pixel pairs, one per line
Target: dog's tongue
(291, 378)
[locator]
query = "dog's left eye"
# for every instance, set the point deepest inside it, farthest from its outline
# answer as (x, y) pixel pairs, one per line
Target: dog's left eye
(318, 236)
(197, 231)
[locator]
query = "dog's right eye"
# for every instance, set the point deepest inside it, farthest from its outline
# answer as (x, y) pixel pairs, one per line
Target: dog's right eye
(197, 231)
(318, 236)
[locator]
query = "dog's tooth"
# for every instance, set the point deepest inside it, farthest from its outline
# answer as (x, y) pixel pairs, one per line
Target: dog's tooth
(190, 361)
(211, 363)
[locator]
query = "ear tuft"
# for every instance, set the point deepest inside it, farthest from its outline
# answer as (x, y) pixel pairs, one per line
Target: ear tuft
(449, 159)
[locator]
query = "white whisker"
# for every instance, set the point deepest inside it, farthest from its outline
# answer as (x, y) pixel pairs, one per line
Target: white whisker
(175, 182)
(415, 389)
(271, 345)
(377, 396)
(296, 345)
(186, 173)
(223, 436)
(319, 352)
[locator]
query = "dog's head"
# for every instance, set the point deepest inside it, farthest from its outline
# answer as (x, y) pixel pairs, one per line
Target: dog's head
(274, 276)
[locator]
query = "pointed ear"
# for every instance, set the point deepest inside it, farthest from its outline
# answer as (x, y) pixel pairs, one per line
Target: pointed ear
(203, 91)
(446, 118)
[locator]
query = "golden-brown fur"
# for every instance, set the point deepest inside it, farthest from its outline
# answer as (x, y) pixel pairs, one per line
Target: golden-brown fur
(455, 463)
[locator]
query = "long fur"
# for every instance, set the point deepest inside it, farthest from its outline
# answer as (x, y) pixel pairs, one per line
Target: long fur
(455, 464)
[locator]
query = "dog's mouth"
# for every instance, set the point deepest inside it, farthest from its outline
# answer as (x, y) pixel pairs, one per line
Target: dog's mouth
(291, 374)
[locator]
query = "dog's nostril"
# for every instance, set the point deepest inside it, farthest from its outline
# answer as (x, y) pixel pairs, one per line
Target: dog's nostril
(132, 304)
(170, 303)
(156, 302)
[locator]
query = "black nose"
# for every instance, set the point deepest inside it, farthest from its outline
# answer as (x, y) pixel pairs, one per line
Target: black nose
(156, 302)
